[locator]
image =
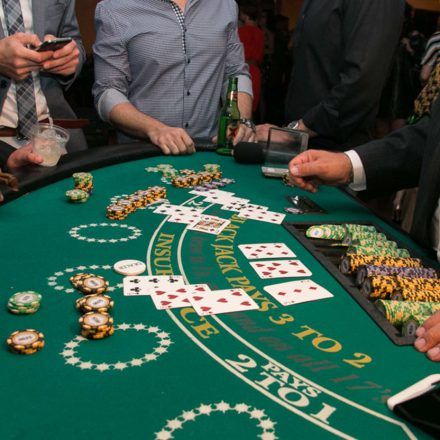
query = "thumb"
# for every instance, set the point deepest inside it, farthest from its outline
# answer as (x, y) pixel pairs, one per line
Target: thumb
(34, 158)
(29, 39)
(306, 169)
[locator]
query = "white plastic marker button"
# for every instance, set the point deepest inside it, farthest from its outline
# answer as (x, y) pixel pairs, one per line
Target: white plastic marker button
(130, 267)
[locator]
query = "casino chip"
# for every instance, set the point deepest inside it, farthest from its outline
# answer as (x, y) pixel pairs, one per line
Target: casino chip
(96, 325)
(89, 284)
(25, 341)
(130, 267)
(94, 303)
(24, 303)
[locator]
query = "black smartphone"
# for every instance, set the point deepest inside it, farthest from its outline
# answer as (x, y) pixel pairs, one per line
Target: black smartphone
(420, 404)
(53, 45)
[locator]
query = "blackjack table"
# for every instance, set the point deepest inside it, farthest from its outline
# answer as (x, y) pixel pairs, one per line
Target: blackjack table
(314, 370)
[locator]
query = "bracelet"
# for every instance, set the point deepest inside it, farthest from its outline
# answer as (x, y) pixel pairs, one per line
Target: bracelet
(249, 123)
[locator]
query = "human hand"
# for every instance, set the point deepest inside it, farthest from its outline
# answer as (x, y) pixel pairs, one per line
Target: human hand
(171, 140)
(63, 61)
(17, 61)
(8, 180)
(312, 168)
(23, 156)
(263, 131)
(428, 337)
(244, 134)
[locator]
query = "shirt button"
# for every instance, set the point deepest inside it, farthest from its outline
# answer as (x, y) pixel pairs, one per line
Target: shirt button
(188, 93)
(186, 125)
(189, 61)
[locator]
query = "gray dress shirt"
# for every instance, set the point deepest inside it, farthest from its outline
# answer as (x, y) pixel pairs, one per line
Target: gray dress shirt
(140, 58)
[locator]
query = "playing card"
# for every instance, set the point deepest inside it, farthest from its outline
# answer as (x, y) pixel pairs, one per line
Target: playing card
(222, 301)
(262, 216)
(175, 297)
(218, 193)
(167, 209)
(256, 207)
(234, 204)
(280, 269)
(266, 250)
(187, 218)
(143, 285)
(296, 292)
(209, 224)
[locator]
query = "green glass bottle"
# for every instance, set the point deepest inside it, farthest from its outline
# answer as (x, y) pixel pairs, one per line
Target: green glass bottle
(229, 119)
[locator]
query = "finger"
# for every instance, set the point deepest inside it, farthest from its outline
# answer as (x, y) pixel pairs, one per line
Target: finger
(65, 70)
(432, 321)
(68, 49)
(33, 158)
(61, 62)
(189, 143)
(1, 197)
(306, 169)
(165, 149)
(214, 140)
(174, 149)
(240, 135)
(430, 339)
(434, 353)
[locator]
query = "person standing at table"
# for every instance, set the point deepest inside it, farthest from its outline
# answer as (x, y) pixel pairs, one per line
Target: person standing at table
(31, 82)
(407, 158)
(252, 38)
(162, 68)
(343, 51)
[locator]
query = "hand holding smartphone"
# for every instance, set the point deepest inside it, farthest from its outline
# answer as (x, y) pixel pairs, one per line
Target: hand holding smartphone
(53, 45)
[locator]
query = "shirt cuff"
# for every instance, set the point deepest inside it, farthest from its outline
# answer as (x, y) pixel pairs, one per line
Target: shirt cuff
(359, 178)
(109, 99)
(245, 84)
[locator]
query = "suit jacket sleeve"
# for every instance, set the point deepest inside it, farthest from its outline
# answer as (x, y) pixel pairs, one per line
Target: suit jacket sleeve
(371, 31)
(69, 28)
(5, 152)
(394, 162)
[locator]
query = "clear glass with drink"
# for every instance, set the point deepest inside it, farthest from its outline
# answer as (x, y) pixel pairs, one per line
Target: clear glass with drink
(49, 142)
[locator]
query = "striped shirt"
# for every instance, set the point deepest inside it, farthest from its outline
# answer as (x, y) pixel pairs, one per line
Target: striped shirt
(173, 67)
(432, 51)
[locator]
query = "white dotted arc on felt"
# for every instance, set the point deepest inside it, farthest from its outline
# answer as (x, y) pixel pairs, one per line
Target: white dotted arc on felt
(71, 357)
(265, 423)
(134, 233)
(53, 280)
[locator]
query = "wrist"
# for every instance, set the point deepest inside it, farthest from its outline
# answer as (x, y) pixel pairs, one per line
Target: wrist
(349, 175)
(249, 123)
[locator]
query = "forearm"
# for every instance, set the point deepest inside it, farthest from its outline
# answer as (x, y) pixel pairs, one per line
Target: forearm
(130, 120)
(245, 105)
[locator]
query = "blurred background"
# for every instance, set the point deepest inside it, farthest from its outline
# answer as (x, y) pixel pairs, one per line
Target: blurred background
(276, 18)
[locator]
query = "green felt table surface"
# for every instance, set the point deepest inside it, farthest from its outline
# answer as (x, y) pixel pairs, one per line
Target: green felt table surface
(310, 371)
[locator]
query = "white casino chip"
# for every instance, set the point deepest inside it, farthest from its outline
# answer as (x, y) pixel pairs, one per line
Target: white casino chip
(130, 267)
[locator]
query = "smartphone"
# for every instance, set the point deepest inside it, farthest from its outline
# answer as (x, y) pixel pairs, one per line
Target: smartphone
(53, 45)
(420, 404)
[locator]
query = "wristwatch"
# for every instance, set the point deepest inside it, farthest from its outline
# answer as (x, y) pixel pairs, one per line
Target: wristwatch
(249, 123)
(294, 125)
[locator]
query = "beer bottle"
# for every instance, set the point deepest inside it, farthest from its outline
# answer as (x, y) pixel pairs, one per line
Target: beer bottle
(229, 119)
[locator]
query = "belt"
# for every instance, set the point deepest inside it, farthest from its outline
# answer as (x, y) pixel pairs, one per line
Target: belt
(64, 123)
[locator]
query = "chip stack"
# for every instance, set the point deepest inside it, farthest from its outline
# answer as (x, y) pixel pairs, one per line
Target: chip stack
(96, 325)
(351, 262)
(367, 271)
(94, 303)
(208, 178)
(416, 294)
(77, 196)
(361, 237)
(121, 209)
(89, 284)
(327, 232)
(410, 326)
(24, 303)
(83, 181)
(25, 341)
(380, 251)
(379, 287)
(398, 312)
